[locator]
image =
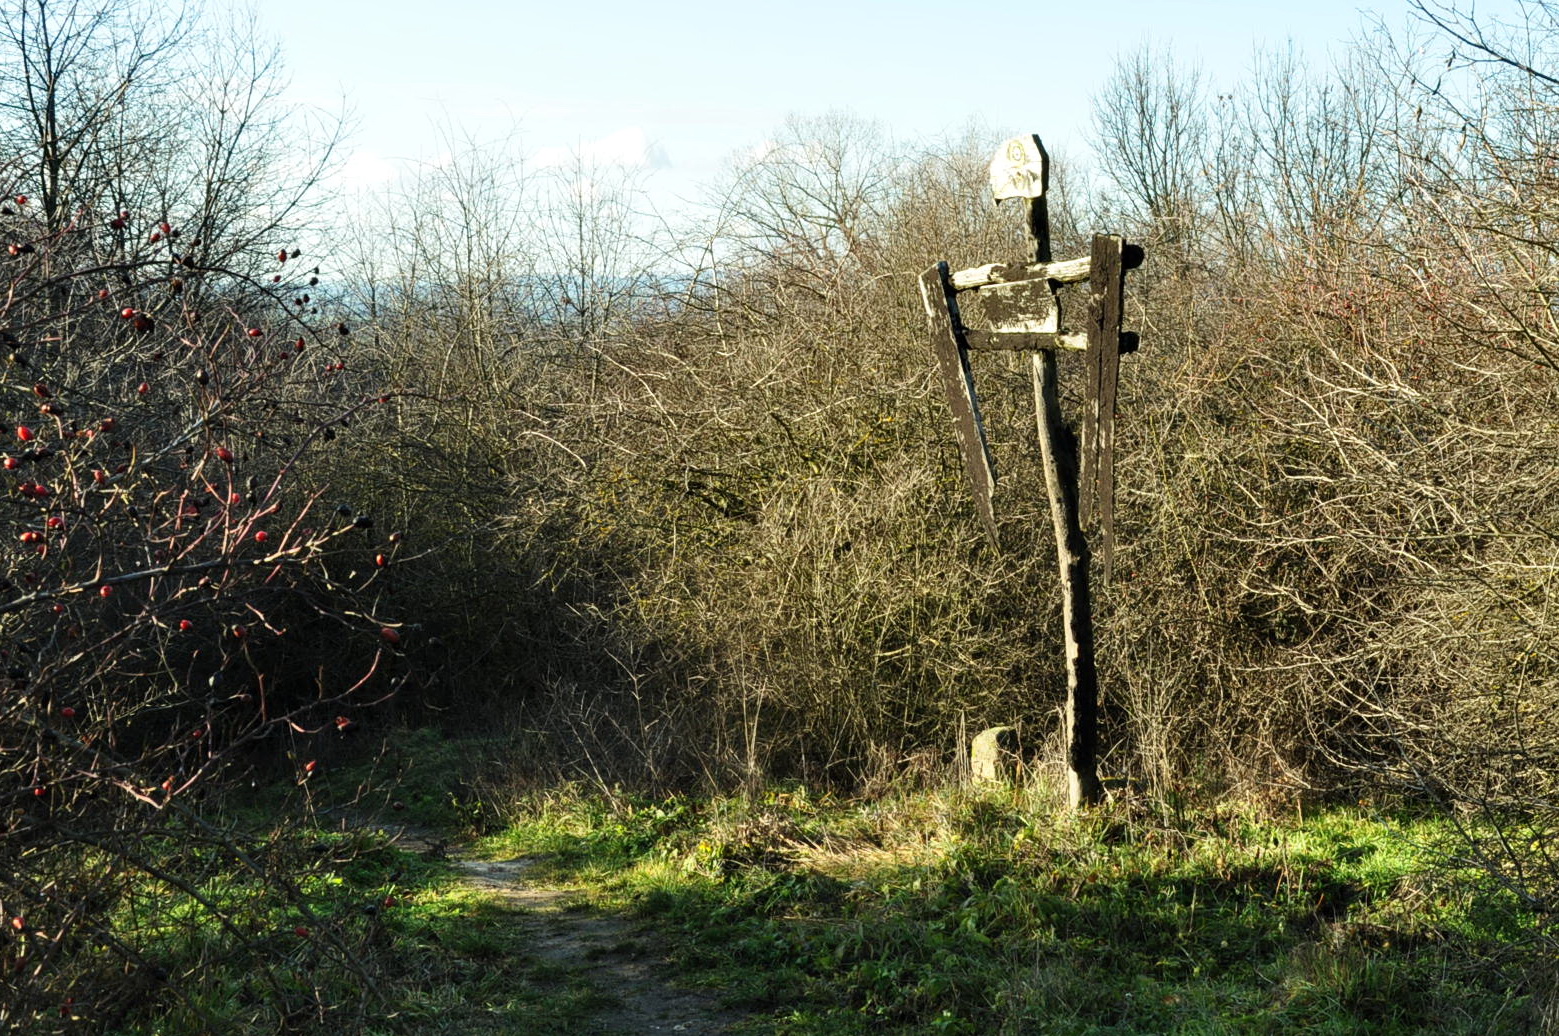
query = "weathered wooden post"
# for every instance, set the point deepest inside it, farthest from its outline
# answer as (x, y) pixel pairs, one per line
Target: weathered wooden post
(1025, 314)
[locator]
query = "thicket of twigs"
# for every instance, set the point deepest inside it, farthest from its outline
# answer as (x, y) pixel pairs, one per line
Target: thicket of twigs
(712, 514)
(683, 503)
(182, 607)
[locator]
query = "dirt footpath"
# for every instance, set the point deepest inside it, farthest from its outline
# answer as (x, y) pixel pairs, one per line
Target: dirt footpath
(614, 954)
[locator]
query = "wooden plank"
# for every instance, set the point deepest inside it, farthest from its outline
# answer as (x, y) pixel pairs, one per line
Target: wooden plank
(941, 303)
(1067, 271)
(1020, 341)
(1023, 341)
(1087, 459)
(1097, 481)
(1027, 306)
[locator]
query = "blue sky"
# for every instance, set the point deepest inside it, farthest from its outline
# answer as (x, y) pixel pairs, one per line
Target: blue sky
(677, 87)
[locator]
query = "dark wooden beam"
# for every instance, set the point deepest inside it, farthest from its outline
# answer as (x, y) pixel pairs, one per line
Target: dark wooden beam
(952, 353)
(1096, 484)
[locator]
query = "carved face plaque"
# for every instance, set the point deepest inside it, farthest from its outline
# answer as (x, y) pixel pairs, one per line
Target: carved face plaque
(1020, 169)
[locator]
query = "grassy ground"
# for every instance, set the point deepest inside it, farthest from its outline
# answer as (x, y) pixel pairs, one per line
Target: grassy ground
(931, 911)
(956, 912)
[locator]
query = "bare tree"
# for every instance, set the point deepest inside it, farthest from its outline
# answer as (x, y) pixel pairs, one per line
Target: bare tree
(1321, 161)
(74, 74)
(164, 553)
(809, 200)
(1151, 136)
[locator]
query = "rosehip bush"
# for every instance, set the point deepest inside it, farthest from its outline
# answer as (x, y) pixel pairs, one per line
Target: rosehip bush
(174, 599)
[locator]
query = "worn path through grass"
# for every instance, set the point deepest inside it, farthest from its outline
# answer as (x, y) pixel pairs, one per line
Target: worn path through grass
(948, 910)
(584, 970)
(992, 914)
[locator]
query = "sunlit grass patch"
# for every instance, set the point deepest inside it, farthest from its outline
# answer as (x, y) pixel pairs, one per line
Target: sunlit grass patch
(964, 911)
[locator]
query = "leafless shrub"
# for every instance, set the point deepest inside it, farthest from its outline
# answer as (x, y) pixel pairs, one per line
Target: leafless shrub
(169, 576)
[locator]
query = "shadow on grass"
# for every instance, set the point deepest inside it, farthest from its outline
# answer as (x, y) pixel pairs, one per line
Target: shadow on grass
(1233, 933)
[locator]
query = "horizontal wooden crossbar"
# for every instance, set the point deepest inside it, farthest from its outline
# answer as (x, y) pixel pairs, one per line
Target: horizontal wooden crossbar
(1068, 271)
(1021, 341)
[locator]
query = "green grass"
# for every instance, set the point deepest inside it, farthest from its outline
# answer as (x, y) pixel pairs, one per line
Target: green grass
(465, 966)
(391, 942)
(224, 951)
(947, 911)
(375, 939)
(965, 913)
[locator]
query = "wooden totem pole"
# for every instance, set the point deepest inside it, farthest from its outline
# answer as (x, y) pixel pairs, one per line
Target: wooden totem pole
(1023, 311)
